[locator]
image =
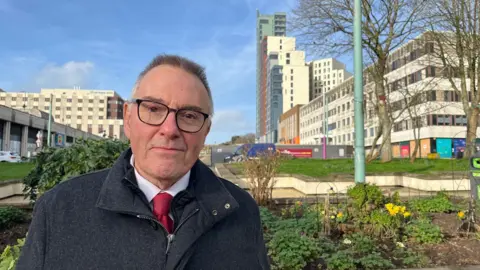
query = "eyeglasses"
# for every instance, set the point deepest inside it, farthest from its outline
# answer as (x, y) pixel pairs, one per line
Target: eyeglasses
(154, 113)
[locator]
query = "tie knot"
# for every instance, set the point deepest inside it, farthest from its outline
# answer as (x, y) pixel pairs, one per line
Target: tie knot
(161, 204)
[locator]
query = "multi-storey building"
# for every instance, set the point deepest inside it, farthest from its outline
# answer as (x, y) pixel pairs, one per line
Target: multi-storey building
(420, 97)
(284, 82)
(326, 74)
(267, 25)
(99, 112)
(289, 126)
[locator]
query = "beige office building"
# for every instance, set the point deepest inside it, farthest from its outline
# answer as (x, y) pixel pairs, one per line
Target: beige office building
(325, 74)
(99, 112)
(284, 83)
(414, 74)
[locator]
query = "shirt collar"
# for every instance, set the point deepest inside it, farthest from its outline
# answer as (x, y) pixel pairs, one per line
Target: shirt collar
(150, 190)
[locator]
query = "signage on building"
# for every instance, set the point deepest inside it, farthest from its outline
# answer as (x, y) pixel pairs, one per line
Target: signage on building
(59, 139)
(297, 152)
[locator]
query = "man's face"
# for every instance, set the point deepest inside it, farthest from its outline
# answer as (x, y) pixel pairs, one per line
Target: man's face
(165, 152)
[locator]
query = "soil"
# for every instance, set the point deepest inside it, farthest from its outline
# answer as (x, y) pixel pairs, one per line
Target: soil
(457, 249)
(10, 236)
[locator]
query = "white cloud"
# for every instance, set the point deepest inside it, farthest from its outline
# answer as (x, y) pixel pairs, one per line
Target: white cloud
(232, 121)
(67, 75)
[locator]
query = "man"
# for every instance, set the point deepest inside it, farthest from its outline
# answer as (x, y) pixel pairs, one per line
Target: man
(158, 207)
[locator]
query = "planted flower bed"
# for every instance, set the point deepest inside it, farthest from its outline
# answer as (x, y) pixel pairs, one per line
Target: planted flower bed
(371, 231)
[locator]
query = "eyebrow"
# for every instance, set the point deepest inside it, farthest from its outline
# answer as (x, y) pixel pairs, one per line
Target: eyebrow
(185, 107)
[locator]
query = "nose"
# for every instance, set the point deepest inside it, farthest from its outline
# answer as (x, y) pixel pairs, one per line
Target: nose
(169, 127)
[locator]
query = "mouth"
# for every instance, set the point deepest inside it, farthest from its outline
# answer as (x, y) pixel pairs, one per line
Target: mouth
(167, 149)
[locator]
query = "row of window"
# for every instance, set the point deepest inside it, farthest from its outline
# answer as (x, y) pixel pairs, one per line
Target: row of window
(69, 100)
(344, 138)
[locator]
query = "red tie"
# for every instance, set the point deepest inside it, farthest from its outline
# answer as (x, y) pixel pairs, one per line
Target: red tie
(161, 209)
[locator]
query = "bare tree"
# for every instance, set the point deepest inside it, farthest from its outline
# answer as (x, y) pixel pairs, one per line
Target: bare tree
(326, 28)
(261, 172)
(455, 26)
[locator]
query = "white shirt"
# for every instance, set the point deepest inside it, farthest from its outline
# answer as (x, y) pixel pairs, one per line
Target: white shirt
(150, 190)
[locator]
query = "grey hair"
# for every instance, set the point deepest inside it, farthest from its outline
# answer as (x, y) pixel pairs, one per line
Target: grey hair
(180, 62)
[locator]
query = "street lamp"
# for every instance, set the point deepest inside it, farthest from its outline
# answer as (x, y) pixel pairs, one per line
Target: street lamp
(358, 95)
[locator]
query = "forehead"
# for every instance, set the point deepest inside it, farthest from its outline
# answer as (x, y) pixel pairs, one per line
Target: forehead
(174, 86)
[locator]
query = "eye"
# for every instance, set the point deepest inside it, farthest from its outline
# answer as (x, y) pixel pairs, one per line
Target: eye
(190, 115)
(153, 108)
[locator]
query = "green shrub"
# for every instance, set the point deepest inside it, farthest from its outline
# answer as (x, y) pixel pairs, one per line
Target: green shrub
(10, 216)
(54, 165)
(438, 204)
(358, 251)
(364, 195)
(424, 232)
(289, 249)
(10, 255)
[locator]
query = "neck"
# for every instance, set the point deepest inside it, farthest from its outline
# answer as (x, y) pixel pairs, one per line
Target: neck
(161, 183)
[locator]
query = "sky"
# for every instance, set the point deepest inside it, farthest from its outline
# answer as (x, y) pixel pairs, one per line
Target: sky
(105, 44)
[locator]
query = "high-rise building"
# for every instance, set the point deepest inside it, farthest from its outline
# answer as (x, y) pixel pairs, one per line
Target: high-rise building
(325, 74)
(420, 96)
(284, 83)
(99, 112)
(267, 25)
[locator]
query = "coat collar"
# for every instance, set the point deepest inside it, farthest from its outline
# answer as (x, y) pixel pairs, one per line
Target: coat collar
(120, 192)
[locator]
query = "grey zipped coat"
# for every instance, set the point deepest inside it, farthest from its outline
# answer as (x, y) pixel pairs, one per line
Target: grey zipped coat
(102, 220)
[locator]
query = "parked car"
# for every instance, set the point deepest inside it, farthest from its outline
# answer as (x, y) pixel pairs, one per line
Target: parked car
(7, 156)
(252, 150)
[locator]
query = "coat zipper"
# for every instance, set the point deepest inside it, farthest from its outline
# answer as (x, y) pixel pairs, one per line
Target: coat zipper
(170, 236)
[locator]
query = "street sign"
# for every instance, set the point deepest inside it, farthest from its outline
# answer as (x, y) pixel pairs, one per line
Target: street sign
(59, 139)
(475, 175)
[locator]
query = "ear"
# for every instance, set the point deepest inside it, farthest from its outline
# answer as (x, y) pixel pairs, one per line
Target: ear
(127, 107)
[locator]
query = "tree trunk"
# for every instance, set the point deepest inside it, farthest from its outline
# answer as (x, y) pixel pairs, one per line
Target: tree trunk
(386, 155)
(416, 136)
(472, 119)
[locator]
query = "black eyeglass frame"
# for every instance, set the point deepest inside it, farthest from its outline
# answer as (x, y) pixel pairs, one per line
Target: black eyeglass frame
(139, 101)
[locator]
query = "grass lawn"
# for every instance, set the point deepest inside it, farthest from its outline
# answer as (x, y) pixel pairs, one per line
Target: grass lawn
(319, 167)
(10, 171)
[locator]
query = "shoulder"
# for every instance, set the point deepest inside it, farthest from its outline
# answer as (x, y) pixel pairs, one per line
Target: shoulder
(75, 190)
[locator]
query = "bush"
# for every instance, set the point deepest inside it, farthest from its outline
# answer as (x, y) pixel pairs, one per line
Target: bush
(10, 255)
(365, 195)
(358, 251)
(438, 204)
(54, 165)
(10, 216)
(289, 249)
(424, 232)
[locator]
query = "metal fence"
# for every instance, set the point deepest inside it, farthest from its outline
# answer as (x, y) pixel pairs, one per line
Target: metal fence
(219, 152)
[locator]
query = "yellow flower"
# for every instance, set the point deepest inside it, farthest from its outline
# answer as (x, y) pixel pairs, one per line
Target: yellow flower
(406, 214)
(402, 209)
(389, 206)
(332, 217)
(461, 214)
(340, 215)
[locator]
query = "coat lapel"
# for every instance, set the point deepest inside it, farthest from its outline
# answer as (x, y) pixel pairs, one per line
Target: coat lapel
(214, 203)
(211, 204)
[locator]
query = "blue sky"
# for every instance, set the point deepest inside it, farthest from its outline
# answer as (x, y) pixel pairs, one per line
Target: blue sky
(105, 44)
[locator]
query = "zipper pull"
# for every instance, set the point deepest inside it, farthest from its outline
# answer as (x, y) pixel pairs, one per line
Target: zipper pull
(169, 242)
